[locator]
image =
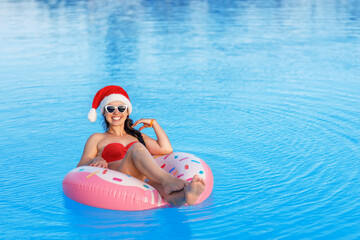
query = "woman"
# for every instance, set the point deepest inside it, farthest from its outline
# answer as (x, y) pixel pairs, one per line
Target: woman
(129, 151)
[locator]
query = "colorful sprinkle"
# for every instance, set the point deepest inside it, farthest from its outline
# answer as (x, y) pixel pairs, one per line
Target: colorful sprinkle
(180, 175)
(176, 157)
(104, 171)
(201, 172)
(146, 186)
(163, 165)
(128, 175)
(81, 170)
(195, 161)
(172, 170)
(175, 173)
(189, 179)
(167, 156)
(91, 174)
(146, 180)
(117, 179)
(183, 159)
(186, 166)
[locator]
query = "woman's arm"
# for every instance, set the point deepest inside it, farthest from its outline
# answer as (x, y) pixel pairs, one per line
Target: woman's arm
(160, 146)
(90, 149)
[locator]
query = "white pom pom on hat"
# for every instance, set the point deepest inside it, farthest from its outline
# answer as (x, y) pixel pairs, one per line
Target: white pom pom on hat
(92, 115)
(107, 95)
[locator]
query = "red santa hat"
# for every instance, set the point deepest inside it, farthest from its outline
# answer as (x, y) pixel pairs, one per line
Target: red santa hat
(105, 96)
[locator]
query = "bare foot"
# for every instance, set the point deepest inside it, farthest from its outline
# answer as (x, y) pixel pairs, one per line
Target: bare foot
(176, 198)
(194, 190)
(173, 184)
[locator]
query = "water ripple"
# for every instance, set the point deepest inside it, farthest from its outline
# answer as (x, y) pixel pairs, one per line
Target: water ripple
(265, 92)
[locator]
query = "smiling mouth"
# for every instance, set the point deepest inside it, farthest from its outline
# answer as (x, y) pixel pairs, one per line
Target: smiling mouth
(116, 118)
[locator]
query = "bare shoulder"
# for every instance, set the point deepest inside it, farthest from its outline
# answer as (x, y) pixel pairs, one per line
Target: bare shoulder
(96, 137)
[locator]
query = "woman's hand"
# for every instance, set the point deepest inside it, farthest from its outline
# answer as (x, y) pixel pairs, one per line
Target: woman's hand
(146, 123)
(158, 146)
(99, 162)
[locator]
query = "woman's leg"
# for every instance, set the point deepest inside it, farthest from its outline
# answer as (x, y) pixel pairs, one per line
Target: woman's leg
(138, 163)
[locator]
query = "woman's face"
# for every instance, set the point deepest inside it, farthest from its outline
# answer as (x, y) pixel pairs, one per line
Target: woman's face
(116, 118)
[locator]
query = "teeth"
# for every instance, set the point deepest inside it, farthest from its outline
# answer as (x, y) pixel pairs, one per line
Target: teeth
(116, 118)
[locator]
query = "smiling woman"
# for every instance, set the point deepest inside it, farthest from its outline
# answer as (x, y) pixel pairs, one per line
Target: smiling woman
(128, 125)
(124, 149)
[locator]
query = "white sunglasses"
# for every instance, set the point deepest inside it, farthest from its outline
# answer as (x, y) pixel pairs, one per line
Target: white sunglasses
(111, 108)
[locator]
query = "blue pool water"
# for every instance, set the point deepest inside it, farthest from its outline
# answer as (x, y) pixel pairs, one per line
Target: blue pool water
(265, 91)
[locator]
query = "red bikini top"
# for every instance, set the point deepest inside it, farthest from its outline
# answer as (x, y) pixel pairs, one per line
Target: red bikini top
(115, 151)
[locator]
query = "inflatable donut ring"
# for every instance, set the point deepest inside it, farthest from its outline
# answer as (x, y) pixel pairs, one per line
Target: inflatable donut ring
(105, 188)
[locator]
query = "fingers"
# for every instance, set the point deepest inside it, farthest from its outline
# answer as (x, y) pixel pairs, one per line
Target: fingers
(145, 125)
(146, 122)
(136, 123)
(102, 164)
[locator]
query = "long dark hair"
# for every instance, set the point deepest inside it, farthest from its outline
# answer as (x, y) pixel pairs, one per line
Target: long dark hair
(128, 129)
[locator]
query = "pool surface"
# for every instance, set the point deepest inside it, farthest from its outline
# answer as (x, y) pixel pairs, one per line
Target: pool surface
(266, 92)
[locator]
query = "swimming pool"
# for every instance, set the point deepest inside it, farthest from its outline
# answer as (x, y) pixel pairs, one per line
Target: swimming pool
(266, 92)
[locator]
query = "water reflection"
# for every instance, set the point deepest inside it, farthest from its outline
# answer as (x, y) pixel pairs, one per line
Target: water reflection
(125, 37)
(96, 222)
